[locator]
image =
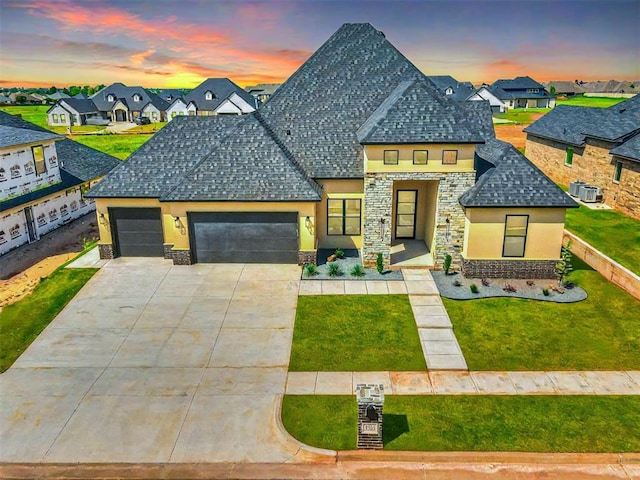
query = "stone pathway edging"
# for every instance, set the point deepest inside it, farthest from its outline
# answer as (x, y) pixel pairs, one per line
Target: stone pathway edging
(468, 383)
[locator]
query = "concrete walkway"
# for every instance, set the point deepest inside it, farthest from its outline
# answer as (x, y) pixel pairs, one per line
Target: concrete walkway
(158, 363)
(439, 344)
(468, 383)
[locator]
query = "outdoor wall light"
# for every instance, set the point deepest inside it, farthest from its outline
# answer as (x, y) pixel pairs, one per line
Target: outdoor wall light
(102, 219)
(177, 222)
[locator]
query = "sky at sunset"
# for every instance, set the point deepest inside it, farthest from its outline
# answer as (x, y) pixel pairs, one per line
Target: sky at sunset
(178, 43)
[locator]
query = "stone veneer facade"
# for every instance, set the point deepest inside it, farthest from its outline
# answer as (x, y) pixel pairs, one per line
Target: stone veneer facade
(503, 268)
(592, 164)
(181, 257)
(378, 204)
(106, 251)
(305, 257)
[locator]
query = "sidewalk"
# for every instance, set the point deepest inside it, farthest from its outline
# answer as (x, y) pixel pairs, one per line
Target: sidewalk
(468, 383)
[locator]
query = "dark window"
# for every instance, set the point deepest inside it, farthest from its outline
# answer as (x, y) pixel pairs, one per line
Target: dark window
(420, 157)
(449, 157)
(343, 216)
(38, 159)
(515, 235)
(391, 157)
(568, 160)
(617, 173)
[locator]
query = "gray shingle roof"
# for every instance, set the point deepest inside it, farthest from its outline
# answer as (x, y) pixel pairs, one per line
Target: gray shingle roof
(513, 181)
(461, 90)
(518, 83)
(12, 136)
(126, 94)
(80, 105)
(629, 149)
(222, 88)
(249, 164)
(161, 162)
(413, 114)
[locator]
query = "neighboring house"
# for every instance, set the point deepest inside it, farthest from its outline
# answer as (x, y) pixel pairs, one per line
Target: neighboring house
(565, 89)
(214, 96)
(599, 146)
(124, 104)
(43, 178)
(379, 161)
(521, 92)
(263, 91)
(451, 88)
(79, 96)
(484, 94)
(6, 100)
(170, 94)
(71, 111)
(57, 96)
(611, 86)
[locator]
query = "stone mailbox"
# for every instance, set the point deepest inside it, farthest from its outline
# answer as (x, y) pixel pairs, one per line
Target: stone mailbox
(370, 399)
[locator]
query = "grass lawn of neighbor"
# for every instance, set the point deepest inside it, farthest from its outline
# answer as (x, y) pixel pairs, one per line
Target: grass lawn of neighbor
(521, 115)
(355, 333)
(22, 322)
(599, 333)
(601, 102)
(120, 146)
(474, 422)
(611, 232)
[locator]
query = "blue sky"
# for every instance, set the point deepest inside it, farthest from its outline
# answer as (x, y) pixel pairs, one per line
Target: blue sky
(170, 43)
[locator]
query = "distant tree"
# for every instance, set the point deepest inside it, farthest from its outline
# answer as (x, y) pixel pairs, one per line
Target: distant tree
(21, 99)
(52, 90)
(552, 90)
(632, 86)
(74, 90)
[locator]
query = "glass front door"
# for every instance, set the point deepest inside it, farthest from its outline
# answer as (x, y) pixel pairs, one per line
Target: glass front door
(406, 202)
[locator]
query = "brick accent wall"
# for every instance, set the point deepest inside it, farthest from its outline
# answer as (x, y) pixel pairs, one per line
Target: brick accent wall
(106, 251)
(307, 257)
(182, 257)
(592, 164)
(378, 204)
(508, 268)
(167, 251)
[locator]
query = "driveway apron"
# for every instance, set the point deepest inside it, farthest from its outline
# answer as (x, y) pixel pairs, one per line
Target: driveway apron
(153, 362)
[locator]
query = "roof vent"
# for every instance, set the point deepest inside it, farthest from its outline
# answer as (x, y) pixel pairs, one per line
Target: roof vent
(622, 110)
(288, 132)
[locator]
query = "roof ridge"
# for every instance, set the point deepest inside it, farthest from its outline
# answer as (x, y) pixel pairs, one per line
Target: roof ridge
(287, 153)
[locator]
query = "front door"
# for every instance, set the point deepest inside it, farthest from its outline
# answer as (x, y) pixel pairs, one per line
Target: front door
(31, 224)
(406, 203)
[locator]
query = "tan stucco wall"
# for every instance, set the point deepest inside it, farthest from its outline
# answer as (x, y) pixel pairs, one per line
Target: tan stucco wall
(338, 189)
(179, 237)
(484, 233)
(374, 158)
(592, 164)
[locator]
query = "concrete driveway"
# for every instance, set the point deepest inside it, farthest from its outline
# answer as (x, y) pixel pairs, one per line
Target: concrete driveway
(152, 362)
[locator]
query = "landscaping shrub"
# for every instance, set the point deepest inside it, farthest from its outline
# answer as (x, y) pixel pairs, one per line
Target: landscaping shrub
(545, 292)
(474, 288)
(339, 253)
(380, 263)
(310, 269)
(564, 266)
(446, 266)
(335, 270)
(357, 271)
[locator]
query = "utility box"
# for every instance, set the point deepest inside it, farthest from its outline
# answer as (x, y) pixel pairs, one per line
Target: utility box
(370, 398)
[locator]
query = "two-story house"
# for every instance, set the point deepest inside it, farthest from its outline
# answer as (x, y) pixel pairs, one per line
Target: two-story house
(214, 96)
(599, 146)
(520, 92)
(379, 161)
(43, 178)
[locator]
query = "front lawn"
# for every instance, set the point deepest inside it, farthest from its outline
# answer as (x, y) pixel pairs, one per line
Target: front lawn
(611, 232)
(22, 322)
(601, 102)
(120, 146)
(31, 113)
(599, 333)
(474, 422)
(342, 333)
(524, 116)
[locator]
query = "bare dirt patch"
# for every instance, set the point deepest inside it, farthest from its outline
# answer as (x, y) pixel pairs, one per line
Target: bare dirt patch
(511, 133)
(22, 268)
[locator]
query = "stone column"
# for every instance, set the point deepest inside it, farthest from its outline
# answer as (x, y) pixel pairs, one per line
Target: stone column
(378, 207)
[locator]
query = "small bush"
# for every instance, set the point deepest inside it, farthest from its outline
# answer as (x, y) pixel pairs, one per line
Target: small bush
(380, 263)
(457, 283)
(335, 270)
(310, 269)
(446, 266)
(357, 271)
(545, 292)
(338, 253)
(474, 288)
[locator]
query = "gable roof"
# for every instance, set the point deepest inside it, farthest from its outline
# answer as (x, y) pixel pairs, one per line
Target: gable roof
(79, 105)
(518, 83)
(222, 88)
(512, 181)
(629, 149)
(13, 136)
(160, 163)
(58, 95)
(461, 90)
(413, 114)
(126, 95)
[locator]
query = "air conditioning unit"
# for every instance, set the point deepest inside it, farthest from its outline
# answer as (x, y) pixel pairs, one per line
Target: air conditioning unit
(590, 194)
(574, 187)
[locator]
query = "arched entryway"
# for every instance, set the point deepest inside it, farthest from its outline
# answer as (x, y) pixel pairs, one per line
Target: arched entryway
(121, 115)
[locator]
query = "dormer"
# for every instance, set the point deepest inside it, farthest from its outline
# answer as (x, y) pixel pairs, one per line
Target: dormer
(137, 97)
(209, 95)
(111, 97)
(449, 91)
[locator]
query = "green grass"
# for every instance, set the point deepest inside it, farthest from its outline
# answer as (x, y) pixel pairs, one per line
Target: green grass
(151, 128)
(611, 232)
(355, 333)
(120, 146)
(22, 322)
(31, 113)
(521, 115)
(474, 423)
(599, 333)
(601, 102)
